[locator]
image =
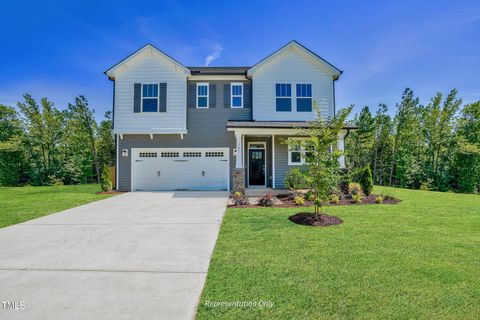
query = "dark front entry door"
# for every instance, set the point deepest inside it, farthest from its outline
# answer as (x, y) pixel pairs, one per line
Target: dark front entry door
(256, 167)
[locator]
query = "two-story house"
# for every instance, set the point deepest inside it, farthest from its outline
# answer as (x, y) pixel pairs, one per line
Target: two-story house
(213, 128)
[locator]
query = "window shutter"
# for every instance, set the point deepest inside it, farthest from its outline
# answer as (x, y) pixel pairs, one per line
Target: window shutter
(191, 94)
(226, 95)
(212, 95)
(163, 98)
(247, 95)
(137, 97)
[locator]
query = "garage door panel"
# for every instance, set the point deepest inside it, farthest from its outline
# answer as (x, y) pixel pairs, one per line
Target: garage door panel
(176, 169)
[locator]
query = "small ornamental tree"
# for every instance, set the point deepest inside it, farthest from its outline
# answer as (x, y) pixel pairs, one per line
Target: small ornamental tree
(105, 181)
(322, 167)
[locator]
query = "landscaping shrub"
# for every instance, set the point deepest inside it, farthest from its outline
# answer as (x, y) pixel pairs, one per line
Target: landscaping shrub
(294, 179)
(354, 189)
(105, 181)
(239, 199)
(357, 198)
(266, 200)
(299, 201)
(426, 185)
(379, 199)
(345, 180)
(364, 177)
(334, 198)
(309, 195)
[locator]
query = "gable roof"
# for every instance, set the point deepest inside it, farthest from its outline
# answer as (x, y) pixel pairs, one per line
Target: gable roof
(294, 44)
(110, 72)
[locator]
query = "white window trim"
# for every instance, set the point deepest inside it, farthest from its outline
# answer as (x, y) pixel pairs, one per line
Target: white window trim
(292, 87)
(302, 154)
(202, 96)
(235, 96)
(158, 96)
(297, 97)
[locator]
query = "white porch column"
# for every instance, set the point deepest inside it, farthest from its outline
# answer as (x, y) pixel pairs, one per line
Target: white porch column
(273, 161)
(239, 147)
(341, 147)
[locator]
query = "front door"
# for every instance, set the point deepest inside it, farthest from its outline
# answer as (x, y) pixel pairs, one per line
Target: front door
(256, 167)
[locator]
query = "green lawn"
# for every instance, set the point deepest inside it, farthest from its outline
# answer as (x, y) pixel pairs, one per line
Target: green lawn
(419, 259)
(21, 204)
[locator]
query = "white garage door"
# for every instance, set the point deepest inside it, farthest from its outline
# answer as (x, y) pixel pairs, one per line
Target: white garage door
(180, 169)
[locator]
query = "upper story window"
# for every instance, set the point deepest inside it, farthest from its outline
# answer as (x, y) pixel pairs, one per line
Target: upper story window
(150, 97)
(237, 95)
(202, 95)
(283, 96)
(304, 97)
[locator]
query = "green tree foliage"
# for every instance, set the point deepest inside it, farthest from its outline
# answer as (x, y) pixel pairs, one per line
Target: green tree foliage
(364, 177)
(105, 181)
(43, 129)
(42, 145)
(80, 151)
(360, 142)
(105, 141)
(466, 165)
(429, 146)
(12, 156)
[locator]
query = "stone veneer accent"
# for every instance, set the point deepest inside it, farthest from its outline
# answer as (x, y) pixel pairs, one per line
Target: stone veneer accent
(239, 180)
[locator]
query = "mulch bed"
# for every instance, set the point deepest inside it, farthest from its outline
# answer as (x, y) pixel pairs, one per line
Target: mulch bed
(316, 220)
(289, 203)
(344, 201)
(111, 192)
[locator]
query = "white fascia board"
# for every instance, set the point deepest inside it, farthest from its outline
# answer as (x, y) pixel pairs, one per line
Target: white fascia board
(151, 131)
(266, 131)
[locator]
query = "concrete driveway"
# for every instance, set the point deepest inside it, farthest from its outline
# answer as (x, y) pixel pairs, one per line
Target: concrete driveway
(141, 255)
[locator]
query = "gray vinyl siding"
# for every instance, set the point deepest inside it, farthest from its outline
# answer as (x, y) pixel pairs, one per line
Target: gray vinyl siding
(206, 129)
(281, 161)
(219, 94)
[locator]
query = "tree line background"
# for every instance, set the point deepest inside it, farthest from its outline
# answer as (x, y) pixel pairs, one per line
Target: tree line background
(42, 145)
(434, 146)
(431, 147)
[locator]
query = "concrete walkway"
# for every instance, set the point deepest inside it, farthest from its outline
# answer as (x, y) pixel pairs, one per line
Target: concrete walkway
(138, 255)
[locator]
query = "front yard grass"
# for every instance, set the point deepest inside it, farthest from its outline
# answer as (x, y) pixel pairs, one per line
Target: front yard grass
(419, 259)
(19, 204)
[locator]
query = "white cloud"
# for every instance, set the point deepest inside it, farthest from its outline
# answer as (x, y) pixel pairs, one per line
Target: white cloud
(217, 52)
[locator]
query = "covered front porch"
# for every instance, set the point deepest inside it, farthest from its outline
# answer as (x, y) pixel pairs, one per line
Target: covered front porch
(262, 156)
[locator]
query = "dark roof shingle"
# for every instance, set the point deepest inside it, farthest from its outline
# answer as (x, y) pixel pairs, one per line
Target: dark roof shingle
(218, 70)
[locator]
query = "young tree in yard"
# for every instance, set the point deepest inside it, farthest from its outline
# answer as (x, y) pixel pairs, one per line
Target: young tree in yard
(105, 141)
(42, 125)
(12, 157)
(321, 154)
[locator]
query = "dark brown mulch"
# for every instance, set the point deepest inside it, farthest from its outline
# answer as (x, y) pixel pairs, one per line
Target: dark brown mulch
(315, 220)
(111, 192)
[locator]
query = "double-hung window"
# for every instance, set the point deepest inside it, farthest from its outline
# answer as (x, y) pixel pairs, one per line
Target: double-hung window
(237, 95)
(283, 97)
(304, 97)
(300, 153)
(150, 97)
(202, 95)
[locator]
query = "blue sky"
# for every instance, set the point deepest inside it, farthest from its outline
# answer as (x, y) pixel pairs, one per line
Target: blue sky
(59, 49)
